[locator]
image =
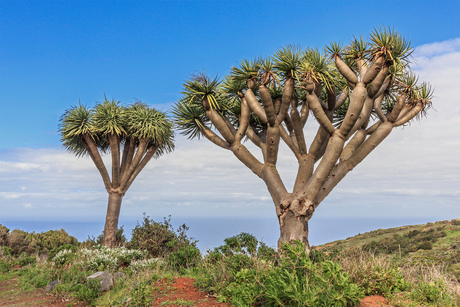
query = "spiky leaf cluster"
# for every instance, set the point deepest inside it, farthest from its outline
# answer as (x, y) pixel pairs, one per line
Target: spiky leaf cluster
(305, 66)
(109, 117)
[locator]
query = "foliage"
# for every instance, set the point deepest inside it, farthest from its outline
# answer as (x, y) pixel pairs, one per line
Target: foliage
(4, 266)
(242, 276)
(140, 295)
(187, 256)
(36, 243)
(434, 292)
(24, 259)
(4, 235)
(88, 292)
(295, 281)
(159, 239)
(379, 280)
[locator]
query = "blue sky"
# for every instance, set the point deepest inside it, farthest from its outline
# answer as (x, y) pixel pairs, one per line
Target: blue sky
(54, 54)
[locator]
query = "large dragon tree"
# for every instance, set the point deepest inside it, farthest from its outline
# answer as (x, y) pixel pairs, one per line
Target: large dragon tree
(356, 93)
(132, 134)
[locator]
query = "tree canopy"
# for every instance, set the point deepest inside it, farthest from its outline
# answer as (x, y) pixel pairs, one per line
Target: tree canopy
(356, 93)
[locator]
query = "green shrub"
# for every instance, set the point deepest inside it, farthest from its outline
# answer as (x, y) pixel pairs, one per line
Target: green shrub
(184, 257)
(24, 259)
(425, 245)
(69, 247)
(140, 295)
(376, 280)
(21, 241)
(4, 266)
(434, 292)
(4, 235)
(63, 257)
(5, 251)
(296, 281)
(88, 292)
(243, 243)
(52, 239)
(159, 239)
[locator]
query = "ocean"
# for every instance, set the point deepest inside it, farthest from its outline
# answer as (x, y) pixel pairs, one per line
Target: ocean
(211, 231)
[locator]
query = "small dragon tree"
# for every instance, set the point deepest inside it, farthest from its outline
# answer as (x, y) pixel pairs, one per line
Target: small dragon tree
(138, 131)
(357, 95)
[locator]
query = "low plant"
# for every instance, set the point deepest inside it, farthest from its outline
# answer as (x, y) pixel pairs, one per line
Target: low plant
(238, 276)
(434, 292)
(88, 292)
(184, 257)
(140, 295)
(4, 266)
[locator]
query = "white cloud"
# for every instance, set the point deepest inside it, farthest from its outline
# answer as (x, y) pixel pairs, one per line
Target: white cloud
(437, 48)
(416, 171)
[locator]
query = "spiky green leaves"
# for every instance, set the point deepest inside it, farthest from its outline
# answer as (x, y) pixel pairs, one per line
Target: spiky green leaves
(200, 89)
(144, 122)
(318, 67)
(287, 59)
(73, 125)
(390, 44)
(109, 117)
(189, 118)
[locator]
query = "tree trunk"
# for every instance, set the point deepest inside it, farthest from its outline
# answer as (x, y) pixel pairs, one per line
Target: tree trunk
(111, 220)
(294, 228)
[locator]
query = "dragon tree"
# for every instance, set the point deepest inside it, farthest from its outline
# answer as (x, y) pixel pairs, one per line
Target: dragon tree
(357, 94)
(132, 134)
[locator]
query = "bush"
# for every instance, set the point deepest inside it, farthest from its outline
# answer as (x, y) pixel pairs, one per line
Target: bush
(24, 259)
(425, 245)
(4, 266)
(434, 292)
(159, 239)
(184, 257)
(377, 280)
(21, 241)
(89, 292)
(237, 275)
(52, 239)
(296, 281)
(4, 235)
(55, 251)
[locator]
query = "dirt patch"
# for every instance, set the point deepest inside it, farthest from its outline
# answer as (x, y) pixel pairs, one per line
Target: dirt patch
(12, 295)
(374, 301)
(181, 292)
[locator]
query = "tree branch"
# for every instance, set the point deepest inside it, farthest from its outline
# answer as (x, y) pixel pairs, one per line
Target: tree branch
(93, 152)
(115, 151)
(147, 157)
(254, 105)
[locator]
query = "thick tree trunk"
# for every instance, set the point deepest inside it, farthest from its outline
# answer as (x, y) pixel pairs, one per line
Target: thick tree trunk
(294, 228)
(111, 220)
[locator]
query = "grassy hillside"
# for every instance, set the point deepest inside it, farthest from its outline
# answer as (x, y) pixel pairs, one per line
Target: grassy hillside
(432, 244)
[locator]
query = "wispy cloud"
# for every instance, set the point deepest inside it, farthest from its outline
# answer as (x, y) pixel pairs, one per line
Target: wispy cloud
(415, 170)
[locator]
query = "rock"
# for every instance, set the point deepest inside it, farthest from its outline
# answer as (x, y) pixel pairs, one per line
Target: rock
(118, 275)
(51, 286)
(105, 278)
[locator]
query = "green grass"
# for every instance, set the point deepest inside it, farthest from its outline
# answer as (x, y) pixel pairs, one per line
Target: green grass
(416, 265)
